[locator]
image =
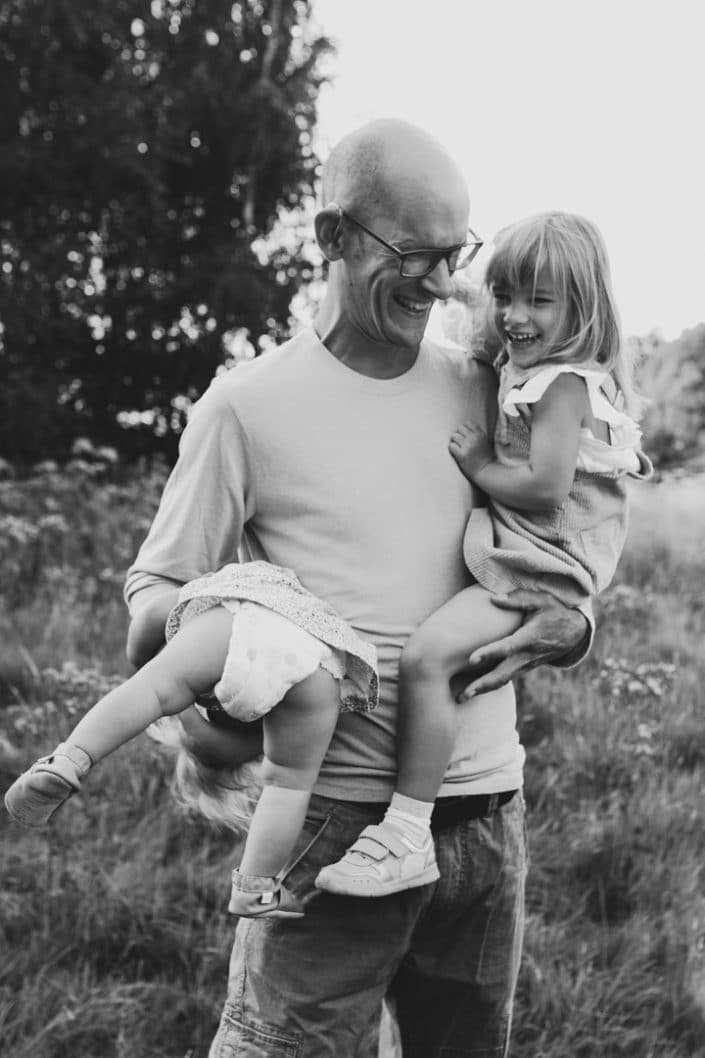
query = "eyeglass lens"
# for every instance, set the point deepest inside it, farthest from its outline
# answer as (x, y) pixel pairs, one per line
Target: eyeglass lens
(420, 264)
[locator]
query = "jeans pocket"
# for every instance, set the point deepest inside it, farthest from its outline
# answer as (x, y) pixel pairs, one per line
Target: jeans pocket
(242, 1037)
(312, 851)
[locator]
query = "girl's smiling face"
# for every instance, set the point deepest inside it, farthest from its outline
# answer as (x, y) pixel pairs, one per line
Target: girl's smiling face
(531, 320)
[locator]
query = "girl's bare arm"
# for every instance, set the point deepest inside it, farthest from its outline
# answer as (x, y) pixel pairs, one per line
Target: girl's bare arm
(545, 480)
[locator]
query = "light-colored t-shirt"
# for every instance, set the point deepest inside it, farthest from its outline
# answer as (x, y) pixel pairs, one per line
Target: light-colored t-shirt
(297, 459)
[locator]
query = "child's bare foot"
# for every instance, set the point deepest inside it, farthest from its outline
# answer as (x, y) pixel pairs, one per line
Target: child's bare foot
(34, 797)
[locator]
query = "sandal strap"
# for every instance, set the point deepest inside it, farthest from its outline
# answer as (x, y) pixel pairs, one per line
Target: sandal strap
(268, 896)
(254, 883)
(67, 762)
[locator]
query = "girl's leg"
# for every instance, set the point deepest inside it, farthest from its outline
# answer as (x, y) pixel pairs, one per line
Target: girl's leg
(190, 664)
(428, 711)
(297, 733)
(399, 853)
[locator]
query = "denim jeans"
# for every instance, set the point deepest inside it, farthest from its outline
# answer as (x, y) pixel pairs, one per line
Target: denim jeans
(448, 953)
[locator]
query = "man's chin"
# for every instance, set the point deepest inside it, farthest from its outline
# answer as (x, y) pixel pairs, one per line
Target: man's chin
(407, 333)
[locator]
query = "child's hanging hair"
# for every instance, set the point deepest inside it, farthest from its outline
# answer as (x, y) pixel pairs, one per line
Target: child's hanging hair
(225, 795)
(569, 252)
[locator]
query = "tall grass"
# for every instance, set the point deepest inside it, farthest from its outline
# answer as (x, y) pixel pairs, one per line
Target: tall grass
(115, 937)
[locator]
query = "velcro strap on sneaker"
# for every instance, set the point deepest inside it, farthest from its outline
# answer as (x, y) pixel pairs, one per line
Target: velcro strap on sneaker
(378, 840)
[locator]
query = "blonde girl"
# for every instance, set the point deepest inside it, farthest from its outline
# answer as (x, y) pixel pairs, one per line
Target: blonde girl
(554, 474)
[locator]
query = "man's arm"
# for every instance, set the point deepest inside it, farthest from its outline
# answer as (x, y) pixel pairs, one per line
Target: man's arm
(199, 523)
(150, 608)
(552, 634)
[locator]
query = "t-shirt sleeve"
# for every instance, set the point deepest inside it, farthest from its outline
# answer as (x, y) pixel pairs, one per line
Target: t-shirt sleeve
(206, 501)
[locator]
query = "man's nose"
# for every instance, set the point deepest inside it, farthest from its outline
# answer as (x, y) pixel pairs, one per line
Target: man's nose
(438, 281)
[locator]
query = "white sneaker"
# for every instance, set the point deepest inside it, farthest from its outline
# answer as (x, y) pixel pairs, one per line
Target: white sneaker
(382, 861)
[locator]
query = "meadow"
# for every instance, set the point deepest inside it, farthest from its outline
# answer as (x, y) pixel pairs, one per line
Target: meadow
(115, 937)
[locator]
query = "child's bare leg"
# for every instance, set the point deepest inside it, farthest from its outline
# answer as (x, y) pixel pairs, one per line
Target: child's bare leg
(428, 711)
(399, 853)
(190, 664)
(297, 734)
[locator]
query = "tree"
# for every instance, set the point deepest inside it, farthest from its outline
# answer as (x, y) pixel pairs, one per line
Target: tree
(145, 149)
(673, 380)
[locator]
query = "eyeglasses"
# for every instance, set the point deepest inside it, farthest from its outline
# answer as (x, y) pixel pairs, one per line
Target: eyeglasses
(415, 264)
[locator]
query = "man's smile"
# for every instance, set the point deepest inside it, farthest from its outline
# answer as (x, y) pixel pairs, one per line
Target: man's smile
(412, 305)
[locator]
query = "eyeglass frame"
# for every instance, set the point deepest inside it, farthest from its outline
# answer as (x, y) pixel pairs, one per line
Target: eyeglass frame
(439, 255)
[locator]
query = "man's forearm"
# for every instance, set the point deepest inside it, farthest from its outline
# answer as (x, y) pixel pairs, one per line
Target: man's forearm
(149, 609)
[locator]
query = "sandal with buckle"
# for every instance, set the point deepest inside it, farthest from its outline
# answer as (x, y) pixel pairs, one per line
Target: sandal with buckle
(254, 896)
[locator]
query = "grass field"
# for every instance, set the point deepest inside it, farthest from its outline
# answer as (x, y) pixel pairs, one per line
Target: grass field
(115, 937)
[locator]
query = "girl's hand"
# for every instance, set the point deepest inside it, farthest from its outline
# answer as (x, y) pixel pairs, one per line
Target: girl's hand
(471, 449)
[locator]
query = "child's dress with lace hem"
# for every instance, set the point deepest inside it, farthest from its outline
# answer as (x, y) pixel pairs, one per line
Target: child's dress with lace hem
(281, 634)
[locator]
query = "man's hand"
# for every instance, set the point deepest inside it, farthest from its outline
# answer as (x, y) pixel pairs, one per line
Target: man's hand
(220, 745)
(550, 631)
(471, 449)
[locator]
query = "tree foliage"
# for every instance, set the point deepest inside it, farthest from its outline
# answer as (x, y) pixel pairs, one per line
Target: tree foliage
(673, 380)
(144, 148)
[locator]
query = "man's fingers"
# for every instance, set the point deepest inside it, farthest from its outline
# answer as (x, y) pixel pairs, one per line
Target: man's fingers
(520, 650)
(494, 653)
(524, 600)
(505, 672)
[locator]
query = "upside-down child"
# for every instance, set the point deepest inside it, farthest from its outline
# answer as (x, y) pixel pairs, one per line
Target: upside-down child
(555, 478)
(272, 651)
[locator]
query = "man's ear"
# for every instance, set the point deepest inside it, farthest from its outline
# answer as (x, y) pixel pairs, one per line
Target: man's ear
(329, 232)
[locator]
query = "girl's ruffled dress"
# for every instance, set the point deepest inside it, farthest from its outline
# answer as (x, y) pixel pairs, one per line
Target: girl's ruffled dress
(281, 634)
(572, 550)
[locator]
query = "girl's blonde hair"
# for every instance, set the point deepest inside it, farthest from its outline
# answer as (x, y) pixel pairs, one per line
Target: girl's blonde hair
(569, 252)
(225, 795)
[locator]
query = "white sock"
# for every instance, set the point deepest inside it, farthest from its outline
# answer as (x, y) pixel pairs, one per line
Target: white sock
(410, 816)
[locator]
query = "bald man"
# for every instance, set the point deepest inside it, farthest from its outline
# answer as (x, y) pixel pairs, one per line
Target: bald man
(329, 455)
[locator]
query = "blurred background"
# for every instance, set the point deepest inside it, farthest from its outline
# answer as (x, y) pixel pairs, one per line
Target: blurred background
(160, 170)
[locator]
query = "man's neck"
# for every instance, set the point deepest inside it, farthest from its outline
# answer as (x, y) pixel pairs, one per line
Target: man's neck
(352, 348)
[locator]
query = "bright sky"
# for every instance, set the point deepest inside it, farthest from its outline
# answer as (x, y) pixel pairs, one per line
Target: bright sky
(593, 106)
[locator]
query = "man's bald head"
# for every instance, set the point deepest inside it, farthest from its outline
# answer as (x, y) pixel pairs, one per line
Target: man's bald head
(385, 162)
(401, 193)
